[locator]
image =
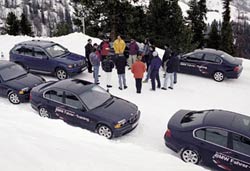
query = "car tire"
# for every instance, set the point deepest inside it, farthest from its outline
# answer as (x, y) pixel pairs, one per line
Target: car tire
(218, 76)
(105, 131)
(190, 156)
(13, 98)
(43, 112)
(61, 74)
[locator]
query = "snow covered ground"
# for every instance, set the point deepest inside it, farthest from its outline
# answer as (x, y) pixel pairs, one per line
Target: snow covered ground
(29, 142)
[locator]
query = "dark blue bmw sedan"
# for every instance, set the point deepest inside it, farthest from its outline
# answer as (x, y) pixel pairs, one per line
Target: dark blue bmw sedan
(16, 82)
(215, 138)
(211, 63)
(86, 105)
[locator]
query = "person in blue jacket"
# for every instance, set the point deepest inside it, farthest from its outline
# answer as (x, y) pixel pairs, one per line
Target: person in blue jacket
(155, 67)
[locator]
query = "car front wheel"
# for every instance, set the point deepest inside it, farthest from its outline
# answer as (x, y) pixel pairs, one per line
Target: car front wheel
(61, 74)
(105, 131)
(190, 156)
(218, 76)
(43, 112)
(13, 98)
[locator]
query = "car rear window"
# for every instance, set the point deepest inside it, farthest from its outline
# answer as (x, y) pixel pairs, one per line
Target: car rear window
(242, 122)
(193, 118)
(228, 57)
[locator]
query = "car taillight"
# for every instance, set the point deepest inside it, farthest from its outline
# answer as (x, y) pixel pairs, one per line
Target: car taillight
(30, 97)
(168, 133)
(236, 69)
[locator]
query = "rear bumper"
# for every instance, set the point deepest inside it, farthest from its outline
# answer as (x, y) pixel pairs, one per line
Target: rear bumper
(173, 145)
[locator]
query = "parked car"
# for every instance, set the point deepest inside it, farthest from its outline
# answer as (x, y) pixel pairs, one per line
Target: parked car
(211, 63)
(86, 105)
(16, 82)
(215, 138)
(47, 57)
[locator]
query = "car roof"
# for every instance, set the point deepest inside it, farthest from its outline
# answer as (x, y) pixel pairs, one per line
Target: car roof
(208, 50)
(4, 64)
(228, 120)
(75, 86)
(38, 43)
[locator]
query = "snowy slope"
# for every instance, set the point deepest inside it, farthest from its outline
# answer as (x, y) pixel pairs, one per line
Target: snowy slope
(29, 142)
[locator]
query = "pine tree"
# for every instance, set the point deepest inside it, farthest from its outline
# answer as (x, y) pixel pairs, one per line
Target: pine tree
(226, 30)
(196, 16)
(166, 24)
(214, 37)
(25, 26)
(62, 29)
(12, 24)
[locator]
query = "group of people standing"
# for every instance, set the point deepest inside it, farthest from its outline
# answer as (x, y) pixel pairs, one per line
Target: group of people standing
(138, 62)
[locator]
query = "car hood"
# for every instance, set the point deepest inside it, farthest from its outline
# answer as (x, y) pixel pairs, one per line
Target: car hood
(70, 58)
(28, 80)
(116, 110)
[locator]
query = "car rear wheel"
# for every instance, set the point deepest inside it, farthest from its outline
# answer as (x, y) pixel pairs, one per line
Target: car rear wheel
(190, 156)
(13, 98)
(218, 76)
(105, 131)
(61, 74)
(43, 112)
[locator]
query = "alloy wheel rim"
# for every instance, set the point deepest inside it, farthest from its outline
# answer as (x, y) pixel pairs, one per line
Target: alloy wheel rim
(43, 112)
(14, 98)
(105, 131)
(218, 76)
(61, 74)
(190, 156)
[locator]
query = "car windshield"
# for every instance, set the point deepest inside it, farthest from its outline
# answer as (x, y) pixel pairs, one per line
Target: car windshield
(228, 57)
(95, 96)
(193, 118)
(12, 72)
(56, 51)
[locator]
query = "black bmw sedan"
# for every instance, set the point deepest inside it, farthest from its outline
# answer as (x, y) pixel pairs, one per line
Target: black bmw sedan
(86, 105)
(211, 63)
(16, 82)
(215, 138)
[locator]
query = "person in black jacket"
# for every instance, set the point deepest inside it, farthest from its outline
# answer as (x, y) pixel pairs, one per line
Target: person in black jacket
(88, 50)
(120, 64)
(165, 58)
(172, 66)
(107, 66)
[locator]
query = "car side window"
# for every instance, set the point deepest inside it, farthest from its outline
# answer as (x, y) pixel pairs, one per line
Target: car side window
(241, 144)
(72, 100)
(54, 95)
(39, 53)
(213, 135)
(195, 56)
(212, 58)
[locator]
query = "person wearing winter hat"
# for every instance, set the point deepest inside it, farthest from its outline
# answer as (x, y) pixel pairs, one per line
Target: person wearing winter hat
(88, 50)
(107, 66)
(155, 67)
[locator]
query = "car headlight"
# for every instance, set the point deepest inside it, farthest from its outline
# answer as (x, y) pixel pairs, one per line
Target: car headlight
(120, 124)
(24, 90)
(70, 66)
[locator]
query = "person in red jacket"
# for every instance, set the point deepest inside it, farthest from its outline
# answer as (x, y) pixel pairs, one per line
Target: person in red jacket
(104, 48)
(138, 69)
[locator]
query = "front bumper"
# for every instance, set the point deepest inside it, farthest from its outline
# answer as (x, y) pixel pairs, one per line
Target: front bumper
(24, 97)
(127, 128)
(77, 70)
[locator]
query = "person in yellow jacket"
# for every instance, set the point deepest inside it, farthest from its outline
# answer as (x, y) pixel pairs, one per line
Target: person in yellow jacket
(119, 46)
